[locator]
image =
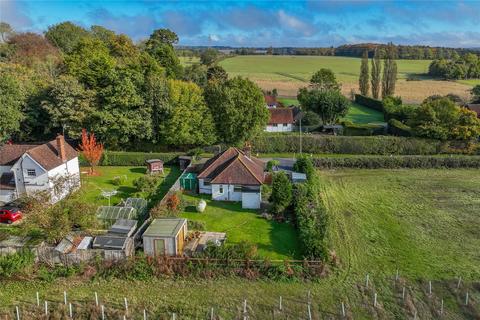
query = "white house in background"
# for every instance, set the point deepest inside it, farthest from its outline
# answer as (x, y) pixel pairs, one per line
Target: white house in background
(281, 120)
(26, 169)
(233, 175)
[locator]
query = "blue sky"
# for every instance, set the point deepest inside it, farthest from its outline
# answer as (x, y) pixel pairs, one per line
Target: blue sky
(264, 23)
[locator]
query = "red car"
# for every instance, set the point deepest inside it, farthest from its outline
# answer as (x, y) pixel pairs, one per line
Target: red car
(10, 214)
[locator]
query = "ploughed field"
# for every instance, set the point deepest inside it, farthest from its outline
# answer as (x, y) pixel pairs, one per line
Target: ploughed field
(288, 73)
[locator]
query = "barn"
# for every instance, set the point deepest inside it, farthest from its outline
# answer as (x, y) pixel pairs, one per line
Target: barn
(165, 236)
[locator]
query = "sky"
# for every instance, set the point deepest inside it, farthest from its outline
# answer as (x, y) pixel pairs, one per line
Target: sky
(264, 23)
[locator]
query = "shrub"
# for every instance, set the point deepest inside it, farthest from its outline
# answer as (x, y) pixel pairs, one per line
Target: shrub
(119, 180)
(398, 128)
(16, 263)
(369, 102)
(242, 250)
(281, 195)
(315, 143)
(146, 183)
(396, 162)
(196, 225)
(304, 165)
(272, 164)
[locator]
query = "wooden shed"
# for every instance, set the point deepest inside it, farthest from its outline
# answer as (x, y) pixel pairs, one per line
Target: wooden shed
(154, 166)
(165, 237)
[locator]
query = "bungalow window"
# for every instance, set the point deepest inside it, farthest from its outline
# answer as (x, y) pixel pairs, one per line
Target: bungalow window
(205, 183)
(220, 189)
(237, 189)
(285, 124)
(275, 125)
(31, 173)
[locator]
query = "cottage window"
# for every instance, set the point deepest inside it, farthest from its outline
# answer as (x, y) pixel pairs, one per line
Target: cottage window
(206, 183)
(237, 188)
(31, 173)
(285, 124)
(220, 189)
(275, 125)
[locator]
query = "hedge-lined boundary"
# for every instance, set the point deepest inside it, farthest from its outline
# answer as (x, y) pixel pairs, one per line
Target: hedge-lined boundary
(398, 162)
(374, 145)
(124, 158)
(369, 102)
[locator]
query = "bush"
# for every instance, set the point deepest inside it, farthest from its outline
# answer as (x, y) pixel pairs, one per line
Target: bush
(314, 143)
(119, 180)
(146, 183)
(281, 196)
(123, 158)
(304, 165)
(196, 225)
(16, 263)
(369, 102)
(398, 128)
(242, 250)
(397, 162)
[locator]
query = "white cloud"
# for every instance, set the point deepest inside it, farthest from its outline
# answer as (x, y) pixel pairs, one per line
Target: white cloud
(295, 24)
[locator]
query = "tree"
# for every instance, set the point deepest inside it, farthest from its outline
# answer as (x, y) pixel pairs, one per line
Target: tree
(476, 94)
(91, 149)
(66, 36)
(187, 120)
(209, 56)
(324, 79)
(12, 100)
(217, 73)
(304, 165)
(389, 72)
(329, 105)
(376, 71)
(160, 46)
(281, 196)
(196, 73)
(31, 48)
(363, 81)
(238, 109)
(5, 31)
(69, 105)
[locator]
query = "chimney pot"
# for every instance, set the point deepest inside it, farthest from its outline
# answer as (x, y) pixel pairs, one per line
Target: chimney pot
(61, 148)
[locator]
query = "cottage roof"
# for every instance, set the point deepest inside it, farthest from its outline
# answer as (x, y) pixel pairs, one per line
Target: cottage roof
(233, 167)
(164, 227)
(270, 100)
(474, 107)
(47, 154)
(281, 115)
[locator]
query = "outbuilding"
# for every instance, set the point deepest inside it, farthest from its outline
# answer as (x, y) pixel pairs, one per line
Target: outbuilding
(165, 237)
(154, 166)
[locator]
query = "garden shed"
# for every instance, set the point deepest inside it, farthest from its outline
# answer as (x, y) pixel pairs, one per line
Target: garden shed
(188, 181)
(165, 237)
(154, 166)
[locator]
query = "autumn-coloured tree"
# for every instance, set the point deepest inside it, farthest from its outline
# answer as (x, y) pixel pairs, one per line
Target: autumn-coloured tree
(91, 149)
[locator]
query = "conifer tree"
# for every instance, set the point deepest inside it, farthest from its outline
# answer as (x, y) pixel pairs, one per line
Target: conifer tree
(376, 69)
(363, 81)
(389, 72)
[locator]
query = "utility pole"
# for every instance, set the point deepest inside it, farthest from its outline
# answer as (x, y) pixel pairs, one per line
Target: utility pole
(300, 136)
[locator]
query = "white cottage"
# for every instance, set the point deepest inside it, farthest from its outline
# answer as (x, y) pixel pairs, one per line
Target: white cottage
(281, 120)
(233, 175)
(27, 169)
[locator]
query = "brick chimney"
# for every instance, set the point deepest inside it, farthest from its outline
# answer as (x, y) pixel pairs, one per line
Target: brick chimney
(61, 148)
(247, 149)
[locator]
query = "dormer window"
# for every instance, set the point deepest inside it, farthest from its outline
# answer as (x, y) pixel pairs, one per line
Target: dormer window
(31, 173)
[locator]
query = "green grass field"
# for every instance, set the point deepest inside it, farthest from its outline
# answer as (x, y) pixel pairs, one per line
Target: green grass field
(301, 68)
(104, 181)
(274, 240)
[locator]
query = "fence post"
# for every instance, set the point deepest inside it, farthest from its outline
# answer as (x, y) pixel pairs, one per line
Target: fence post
(375, 300)
(403, 293)
(103, 312)
(458, 283)
(96, 298)
(309, 312)
(144, 314)
(71, 310)
(280, 303)
(245, 317)
(343, 309)
(430, 287)
(366, 281)
(466, 299)
(441, 308)
(38, 299)
(211, 314)
(397, 275)
(46, 308)
(65, 297)
(126, 304)
(18, 312)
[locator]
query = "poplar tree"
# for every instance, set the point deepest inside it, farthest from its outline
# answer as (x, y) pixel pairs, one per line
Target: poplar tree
(389, 72)
(363, 80)
(376, 69)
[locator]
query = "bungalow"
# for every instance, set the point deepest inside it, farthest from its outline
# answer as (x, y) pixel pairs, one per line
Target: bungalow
(281, 120)
(233, 175)
(27, 169)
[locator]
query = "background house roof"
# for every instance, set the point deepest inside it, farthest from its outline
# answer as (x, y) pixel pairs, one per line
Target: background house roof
(48, 155)
(233, 167)
(281, 115)
(270, 100)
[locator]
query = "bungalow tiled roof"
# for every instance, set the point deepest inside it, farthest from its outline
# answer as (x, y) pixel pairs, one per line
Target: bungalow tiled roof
(270, 100)
(281, 115)
(10, 153)
(233, 166)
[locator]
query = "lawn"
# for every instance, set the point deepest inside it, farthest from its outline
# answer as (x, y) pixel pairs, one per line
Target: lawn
(361, 114)
(288, 73)
(274, 240)
(104, 182)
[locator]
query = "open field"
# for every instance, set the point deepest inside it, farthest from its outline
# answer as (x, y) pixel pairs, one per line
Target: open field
(288, 73)
(422, 222)
(274, 240)
(104, 181)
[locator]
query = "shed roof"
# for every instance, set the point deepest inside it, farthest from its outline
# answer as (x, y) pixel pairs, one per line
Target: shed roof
(164, 227)
(153, 161)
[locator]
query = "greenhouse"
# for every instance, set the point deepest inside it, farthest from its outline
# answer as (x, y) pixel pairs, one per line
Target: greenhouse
(139, 204)
(188, 181)
(111, 214)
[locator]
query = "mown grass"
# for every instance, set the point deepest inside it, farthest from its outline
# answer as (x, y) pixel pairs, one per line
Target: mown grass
(274, 240)
(361, 114)
(104, 181)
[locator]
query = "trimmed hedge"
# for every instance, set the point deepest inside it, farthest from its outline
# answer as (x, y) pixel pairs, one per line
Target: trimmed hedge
(123, 158)
(315, 143)
(369, 102)
(398, 162)
(398, 128)
(355, 129)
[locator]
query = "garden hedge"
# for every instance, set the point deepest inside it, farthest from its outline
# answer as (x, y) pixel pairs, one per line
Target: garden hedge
(397, 162)
(360, 129)
(398, 128)
(124, 158)
(316, 143)
(369, 102)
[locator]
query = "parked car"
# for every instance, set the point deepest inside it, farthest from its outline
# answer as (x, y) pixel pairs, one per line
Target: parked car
(10, 214)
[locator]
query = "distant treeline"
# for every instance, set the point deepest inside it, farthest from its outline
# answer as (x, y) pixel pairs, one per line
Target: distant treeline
(416, 52)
